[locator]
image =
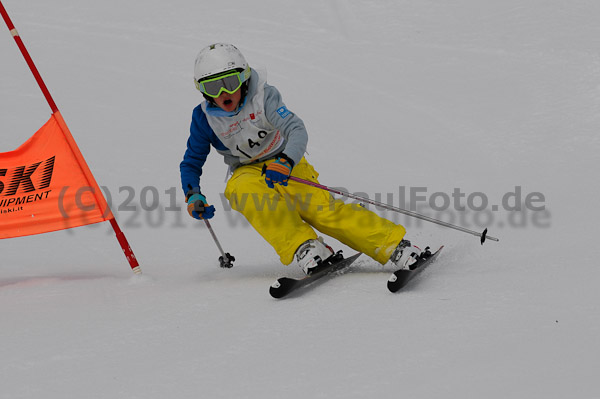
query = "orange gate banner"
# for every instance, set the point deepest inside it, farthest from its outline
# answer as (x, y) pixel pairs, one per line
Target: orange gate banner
(46, 185)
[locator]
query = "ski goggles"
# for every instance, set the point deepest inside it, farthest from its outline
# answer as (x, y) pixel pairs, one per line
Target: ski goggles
(229, 82)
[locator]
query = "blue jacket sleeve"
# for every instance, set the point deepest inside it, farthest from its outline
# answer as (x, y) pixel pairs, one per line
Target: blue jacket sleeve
(198, 148)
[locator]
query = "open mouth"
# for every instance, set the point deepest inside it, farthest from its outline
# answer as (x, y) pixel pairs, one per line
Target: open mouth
(227, 102)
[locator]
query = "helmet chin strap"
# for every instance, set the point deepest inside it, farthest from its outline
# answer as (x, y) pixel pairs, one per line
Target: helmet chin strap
(209, 99)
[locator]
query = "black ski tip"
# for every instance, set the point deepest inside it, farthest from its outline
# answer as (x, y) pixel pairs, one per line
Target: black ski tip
(394, 284)
(401, 277)
(282, 287)
(483, 236)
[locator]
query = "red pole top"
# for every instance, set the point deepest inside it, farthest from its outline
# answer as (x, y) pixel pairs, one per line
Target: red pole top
(32, 67)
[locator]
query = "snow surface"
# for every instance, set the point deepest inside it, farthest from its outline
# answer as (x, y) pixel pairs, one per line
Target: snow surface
(484, 96)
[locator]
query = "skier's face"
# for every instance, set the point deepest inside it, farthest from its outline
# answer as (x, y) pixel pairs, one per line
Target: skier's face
(229, 102)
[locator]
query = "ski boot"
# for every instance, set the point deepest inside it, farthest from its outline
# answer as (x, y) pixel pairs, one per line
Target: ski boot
(311, 253)
(406, 255)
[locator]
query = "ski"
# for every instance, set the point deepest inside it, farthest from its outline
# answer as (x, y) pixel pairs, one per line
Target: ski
(401, 277)
(286, 285)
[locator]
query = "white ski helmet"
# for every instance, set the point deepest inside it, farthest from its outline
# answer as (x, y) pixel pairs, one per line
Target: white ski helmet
(218, 58)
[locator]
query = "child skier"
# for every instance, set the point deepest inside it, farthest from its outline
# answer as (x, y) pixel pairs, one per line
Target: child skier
(263, 143)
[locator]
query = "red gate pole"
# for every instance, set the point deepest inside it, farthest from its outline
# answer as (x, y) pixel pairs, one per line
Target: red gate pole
(38, 78)
(34, 70)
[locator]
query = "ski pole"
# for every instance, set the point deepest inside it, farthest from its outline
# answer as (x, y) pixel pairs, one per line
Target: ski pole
(225, 260)
(482, 235)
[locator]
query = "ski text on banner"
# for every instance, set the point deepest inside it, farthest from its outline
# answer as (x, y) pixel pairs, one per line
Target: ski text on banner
(43, 188)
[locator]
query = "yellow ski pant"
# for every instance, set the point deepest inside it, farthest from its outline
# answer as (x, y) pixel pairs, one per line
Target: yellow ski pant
(285, 216)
